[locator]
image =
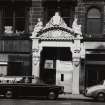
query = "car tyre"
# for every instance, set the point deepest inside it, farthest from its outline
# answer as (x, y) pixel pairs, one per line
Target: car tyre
(52, 95)
(101, 97)
(9, 94)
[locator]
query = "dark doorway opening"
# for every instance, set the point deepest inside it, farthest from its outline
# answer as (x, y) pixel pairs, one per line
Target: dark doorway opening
(49, 55)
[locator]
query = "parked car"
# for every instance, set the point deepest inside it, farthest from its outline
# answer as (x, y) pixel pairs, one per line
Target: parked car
(96, 91)
(11, 90)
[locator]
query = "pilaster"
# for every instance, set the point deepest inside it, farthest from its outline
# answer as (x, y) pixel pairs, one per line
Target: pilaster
(104, 20)
(36, 50)
(76, 65)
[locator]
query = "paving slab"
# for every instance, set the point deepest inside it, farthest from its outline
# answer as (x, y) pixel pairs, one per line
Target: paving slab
(73, 96)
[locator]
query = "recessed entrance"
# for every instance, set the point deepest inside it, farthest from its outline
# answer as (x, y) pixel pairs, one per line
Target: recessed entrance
(56, 66)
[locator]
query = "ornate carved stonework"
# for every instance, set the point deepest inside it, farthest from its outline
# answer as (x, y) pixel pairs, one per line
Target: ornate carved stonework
(76, 28)
(37, 28)
(56, 20)
(8, 29)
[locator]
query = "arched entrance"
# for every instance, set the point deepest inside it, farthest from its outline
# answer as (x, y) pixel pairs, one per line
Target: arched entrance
(56, 53)
(56, 66)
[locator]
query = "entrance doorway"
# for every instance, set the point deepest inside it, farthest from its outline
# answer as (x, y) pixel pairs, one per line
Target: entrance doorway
(56, 66)
(48, 65)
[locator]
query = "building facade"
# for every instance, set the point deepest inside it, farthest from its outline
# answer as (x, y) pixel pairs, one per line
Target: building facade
(54, 52)
(15, 44)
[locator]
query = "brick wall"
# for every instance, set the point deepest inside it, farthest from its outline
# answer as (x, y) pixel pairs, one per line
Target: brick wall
(80, 11)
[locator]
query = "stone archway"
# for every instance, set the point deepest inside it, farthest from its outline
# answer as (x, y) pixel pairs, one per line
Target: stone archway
(58, 35)
(56, 66)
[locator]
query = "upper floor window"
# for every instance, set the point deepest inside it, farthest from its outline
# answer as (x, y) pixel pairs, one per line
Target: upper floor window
(94, 25)
(66, 11)
(15, 17)
(68, 15)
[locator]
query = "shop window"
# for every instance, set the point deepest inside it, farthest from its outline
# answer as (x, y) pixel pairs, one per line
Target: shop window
(94, 25)
(49, 64)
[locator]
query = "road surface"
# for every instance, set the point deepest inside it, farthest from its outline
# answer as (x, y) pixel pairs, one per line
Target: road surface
(33, 101)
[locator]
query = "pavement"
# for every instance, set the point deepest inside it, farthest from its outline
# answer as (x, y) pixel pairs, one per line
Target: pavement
(73, 96)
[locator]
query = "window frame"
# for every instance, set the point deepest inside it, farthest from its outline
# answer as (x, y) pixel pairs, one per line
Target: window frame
(101, 19)
(13, 18)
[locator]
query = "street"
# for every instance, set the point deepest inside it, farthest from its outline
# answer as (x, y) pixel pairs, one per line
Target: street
(60, 101)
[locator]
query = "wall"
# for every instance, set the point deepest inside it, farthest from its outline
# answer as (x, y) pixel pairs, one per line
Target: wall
(35, 12)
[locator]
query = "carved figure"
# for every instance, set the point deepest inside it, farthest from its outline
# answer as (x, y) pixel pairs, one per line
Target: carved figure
(56, 19)
(37, 27)
(76, 28)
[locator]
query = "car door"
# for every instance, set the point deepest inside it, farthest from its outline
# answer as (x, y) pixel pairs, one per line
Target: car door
(30, 90)
(42, 90)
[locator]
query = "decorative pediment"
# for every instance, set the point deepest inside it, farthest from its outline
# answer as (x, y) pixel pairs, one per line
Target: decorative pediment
(56, 29)
(56, 21)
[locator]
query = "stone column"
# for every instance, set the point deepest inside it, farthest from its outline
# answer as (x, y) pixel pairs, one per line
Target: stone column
(36, 49)
(35, 58)
(76, 66)
(75, 85)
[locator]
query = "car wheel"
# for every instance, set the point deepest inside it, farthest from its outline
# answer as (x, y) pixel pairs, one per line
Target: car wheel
(101, 97)
(52, 95)
(9, 94)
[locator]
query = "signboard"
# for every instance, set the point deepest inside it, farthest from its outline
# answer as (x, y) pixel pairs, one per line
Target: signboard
(49, 64)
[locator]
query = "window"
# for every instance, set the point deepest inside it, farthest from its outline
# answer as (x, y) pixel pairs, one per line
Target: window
(15, 17)
(66, 10)
(94, 22)
(68, 15)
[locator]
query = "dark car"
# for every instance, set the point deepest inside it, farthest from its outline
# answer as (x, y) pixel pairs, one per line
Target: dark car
(11, 90)
(96, 91)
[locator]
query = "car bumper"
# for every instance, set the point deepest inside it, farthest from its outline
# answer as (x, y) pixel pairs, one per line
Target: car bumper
(87, 94)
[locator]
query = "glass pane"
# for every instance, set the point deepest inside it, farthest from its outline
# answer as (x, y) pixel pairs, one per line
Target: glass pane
(8, 22)
(20, 24)
(94, 26)
(65, 12)
(20, 12)
(7, 12)
(94, 13)
(50, 13)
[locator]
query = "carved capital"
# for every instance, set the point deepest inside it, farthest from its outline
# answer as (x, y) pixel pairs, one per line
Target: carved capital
(76, 61)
